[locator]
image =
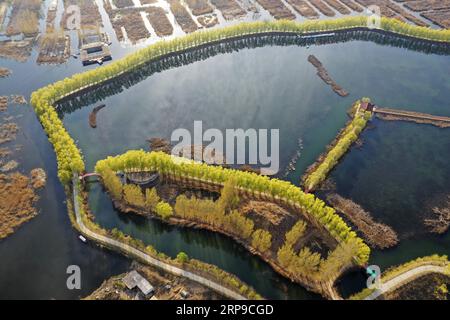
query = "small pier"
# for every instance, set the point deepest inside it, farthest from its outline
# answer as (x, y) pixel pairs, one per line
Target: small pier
(417, 117)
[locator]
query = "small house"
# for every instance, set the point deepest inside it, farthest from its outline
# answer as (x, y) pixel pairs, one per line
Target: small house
(367, 106)
(133, 279)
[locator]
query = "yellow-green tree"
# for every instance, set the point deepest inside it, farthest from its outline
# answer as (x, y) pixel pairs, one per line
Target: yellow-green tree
(295, 233)
(112, 183)
(261, 240)
(164, 210)
(133, 195)
(151, 198)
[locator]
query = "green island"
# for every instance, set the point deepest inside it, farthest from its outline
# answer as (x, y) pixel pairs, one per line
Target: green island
(346, 249)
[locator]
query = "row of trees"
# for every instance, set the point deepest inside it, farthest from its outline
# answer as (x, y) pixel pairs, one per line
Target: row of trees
(68, 155)
(205, 269)
(346, 139)
(133, 195)
(248, 182)
(222, 214)
(219, 214)
(297, 231)
(306, 263)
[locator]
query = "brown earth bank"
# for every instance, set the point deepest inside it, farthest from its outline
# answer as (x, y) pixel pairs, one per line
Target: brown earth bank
(54, 48)
(323, 8)
(427, 5)
(18, 197)
(128, 19)
(390, 117)
(8, 132)
(230, 9)
(16, 50)
(159, 21)
(3, 10)
(166, 287)
(428, 287)
(208, 21)
(277, 9)
(437, 11)
(160, 144)
(438, 218)
(50, 21)
(17, 99)
(4, 72)
(303, 8)
(378, 235)
(90, 14)
(93, 115)
(392, 10)
(323, 74)
(123, 3)
(182, 16)
(287, 242)
(199, 7)
(3, 103)
(352, 5)
(441, 18)
(338, 6)
(24, 18)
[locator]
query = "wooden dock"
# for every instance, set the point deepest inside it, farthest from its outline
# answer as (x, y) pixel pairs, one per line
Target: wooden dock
(394, 114)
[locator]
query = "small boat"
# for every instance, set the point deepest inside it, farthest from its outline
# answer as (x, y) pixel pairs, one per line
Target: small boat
(83, 239)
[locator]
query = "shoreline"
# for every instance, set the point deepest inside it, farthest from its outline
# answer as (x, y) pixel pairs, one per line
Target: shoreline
(184, 223)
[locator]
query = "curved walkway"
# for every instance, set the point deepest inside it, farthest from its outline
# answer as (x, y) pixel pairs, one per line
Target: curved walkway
(405, 277)
(145, 257)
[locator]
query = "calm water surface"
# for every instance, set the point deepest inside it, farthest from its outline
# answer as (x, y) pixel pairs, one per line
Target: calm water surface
(269, 87)
(275, 87)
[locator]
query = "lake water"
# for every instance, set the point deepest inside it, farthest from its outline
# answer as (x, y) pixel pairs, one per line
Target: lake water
(271, 87)
(400, 166)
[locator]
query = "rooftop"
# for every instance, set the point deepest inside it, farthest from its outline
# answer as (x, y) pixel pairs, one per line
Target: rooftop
(133, 279)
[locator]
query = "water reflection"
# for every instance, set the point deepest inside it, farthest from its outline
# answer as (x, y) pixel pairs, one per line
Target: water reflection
(126, 81)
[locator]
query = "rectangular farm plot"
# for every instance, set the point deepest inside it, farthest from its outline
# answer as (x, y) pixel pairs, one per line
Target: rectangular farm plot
(352, 5)
(230, 9)
(437, 11)
(392, 10)
(323, 8)
(427, 5)
(123, 3)
(441, 18)
(182, 16)
(144, 2)
(338, 6)
(277, 9)
(24, 17)
(199, 7)
(303, 8)
(90, 15)
(130, 21)
(159, 21)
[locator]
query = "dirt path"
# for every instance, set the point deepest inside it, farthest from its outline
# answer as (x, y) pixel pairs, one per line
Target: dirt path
(404, 278)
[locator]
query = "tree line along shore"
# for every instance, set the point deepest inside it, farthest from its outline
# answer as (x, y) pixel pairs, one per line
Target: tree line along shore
(70, 160)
